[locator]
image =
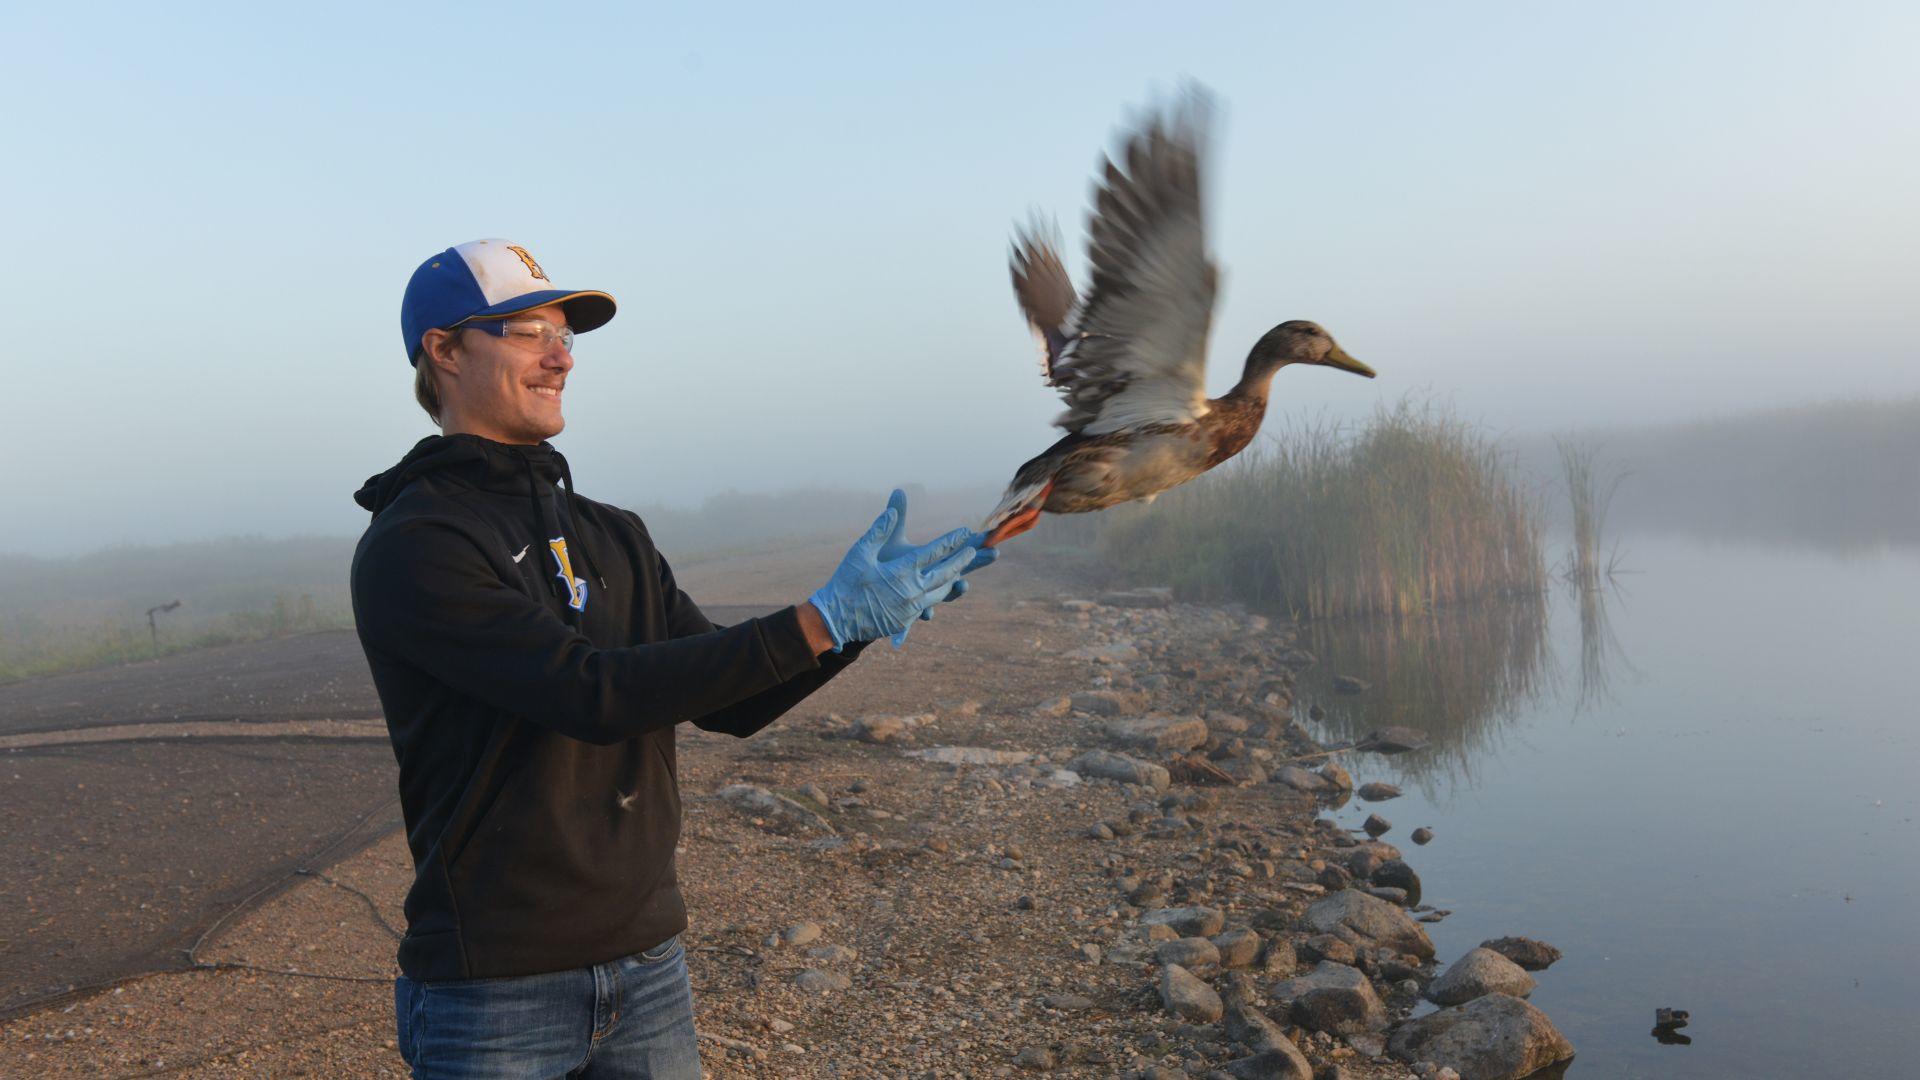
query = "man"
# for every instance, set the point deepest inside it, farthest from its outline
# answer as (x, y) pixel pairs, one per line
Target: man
(533, 655)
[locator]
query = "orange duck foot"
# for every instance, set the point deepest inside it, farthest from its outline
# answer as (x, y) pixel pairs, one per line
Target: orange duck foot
(1022, 520)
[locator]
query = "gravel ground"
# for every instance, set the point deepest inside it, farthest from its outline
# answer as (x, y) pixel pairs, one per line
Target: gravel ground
(968, 922)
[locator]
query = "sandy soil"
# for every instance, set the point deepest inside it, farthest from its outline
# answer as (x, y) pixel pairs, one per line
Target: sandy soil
(970, 896)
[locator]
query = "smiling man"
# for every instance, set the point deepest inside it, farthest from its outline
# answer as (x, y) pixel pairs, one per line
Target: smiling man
(533, 655)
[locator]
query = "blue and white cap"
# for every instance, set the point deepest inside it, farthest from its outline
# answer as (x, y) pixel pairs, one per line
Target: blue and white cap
(489, 279)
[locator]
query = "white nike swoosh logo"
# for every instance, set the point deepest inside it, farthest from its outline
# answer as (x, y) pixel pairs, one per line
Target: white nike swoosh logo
(523, 553)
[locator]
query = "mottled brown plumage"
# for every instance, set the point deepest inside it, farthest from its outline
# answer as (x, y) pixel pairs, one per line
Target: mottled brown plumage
(1130, 360)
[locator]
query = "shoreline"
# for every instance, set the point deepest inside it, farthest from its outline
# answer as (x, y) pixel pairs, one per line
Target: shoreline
(867, 900)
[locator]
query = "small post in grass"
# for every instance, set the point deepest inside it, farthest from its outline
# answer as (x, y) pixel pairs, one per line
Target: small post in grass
(153, 628)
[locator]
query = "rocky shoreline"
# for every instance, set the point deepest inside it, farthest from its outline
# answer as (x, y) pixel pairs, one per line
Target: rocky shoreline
(1258, 938)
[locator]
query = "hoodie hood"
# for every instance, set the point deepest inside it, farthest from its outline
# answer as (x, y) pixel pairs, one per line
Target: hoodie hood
(535, 472)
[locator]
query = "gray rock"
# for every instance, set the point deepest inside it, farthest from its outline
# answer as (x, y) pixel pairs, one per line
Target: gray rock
(1489, 1038)
(1192, 953)
(1333, 998)
(1067, 1002)
(1054, 708)
(1528, 953)
(1245, 771)
(1112, 766)
(1037, 1058)
(1477, 974)
(758, 801)
(1237, 948)
(1186, 996)
(1108, 702)
(1160, 734)
(1300, 779)
(801, 933)
(1188, 921)
(1278, 958)
(1365, 921)
(1100, 830)
(833, 954)
(1396, 897)
(1396, 874)
(1378, 791)
(1393, 740)
(971, 755)
(1339, 778)
(1328, 947)
(1250, 1027)
(819, 981)
(1422, 835)
(1283, 1062)
(1376, 826)
(1227, 723)
(1369, 1044)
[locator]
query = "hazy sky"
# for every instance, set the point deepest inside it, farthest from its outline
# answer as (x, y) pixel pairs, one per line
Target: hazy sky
(1550, 214)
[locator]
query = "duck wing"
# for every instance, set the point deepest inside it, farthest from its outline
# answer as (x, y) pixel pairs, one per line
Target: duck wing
(1045, 292)
(1136, 353)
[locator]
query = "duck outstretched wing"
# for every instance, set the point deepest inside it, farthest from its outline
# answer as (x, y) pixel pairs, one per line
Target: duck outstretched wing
(1136, 352)
(1045, 292)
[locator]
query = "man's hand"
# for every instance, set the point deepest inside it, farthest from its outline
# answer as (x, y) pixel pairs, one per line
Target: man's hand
(884, 584)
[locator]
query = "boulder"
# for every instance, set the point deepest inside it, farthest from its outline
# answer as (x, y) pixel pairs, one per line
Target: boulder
(1192, 953)
(1395, 874)
(1250, 1027)
(1158, 734)
(1489, 1038)
(1112, 766)
(758, 801)
(1422, 835)
(1477, 974)
(1283, 1062)
(1108, 702)
(1378, 791)
(1300, 779)
(1341, 779)
(1333, 998)
(1187, 997)
(1393, 740)
(1189, 921)
(1237, 948)
(1367, 922)
(1528, 953)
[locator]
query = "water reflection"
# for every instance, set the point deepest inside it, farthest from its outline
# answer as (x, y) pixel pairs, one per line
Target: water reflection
(1600, 654)
(1460, 675)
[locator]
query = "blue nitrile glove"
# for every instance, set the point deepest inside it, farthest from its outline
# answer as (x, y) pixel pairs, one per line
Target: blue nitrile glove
(868, 598)
(897, 546)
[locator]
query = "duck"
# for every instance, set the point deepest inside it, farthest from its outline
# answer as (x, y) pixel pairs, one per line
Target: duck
(1129, 358)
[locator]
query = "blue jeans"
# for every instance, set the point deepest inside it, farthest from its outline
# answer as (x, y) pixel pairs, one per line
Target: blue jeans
(629, 1019)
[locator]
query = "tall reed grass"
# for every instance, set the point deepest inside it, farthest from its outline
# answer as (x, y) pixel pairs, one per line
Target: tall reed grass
(1407, 511)
(1588, 503)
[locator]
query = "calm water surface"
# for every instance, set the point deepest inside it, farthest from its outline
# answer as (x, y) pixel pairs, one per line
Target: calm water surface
(1702, 790)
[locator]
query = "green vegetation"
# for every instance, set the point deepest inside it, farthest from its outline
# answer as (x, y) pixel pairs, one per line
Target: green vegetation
(1409, 511)
(90, 610)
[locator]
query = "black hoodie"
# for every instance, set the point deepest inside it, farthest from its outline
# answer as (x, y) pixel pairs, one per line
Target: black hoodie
(533, 655)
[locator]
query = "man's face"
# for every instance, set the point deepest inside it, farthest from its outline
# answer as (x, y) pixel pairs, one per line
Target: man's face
(505, 390)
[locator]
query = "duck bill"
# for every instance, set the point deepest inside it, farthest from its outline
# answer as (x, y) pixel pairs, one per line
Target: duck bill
(1338, 358)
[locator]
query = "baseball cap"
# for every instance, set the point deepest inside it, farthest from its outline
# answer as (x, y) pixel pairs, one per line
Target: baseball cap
(489, 279)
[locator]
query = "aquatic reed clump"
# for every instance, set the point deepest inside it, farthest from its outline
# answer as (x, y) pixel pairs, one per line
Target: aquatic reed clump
(1589, 505)
(1405, 512)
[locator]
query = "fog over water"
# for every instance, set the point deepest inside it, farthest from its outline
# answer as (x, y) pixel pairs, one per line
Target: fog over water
(1552, 217)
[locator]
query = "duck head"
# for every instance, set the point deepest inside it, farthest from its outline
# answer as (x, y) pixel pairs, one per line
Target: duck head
(1298, 341)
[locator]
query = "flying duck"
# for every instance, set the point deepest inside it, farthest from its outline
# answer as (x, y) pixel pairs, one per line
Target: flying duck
(1130, 359)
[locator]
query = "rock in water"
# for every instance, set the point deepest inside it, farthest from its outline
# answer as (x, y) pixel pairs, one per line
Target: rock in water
(1528, 953)
(1477, 974)
(1300, 779)
(1378, 791)
(1376, 826)
(1186, 996)
(1489, 1038)
(1393, 740)
(1367, 922)
(1333, 998)
(1395, 874)
(1348, 684)
(1112, 766)
(1422, 835)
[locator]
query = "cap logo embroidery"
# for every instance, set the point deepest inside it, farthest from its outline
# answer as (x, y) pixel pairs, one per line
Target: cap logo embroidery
(532, 267)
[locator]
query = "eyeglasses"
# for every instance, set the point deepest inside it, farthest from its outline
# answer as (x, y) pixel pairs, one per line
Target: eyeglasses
(534, 335)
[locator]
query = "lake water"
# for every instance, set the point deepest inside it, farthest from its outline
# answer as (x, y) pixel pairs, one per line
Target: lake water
(1702, 790)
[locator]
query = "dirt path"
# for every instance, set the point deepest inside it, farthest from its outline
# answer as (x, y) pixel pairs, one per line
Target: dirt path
(978, 922)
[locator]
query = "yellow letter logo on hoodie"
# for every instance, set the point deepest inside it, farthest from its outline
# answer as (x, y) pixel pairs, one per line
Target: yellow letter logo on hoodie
(576, 587)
